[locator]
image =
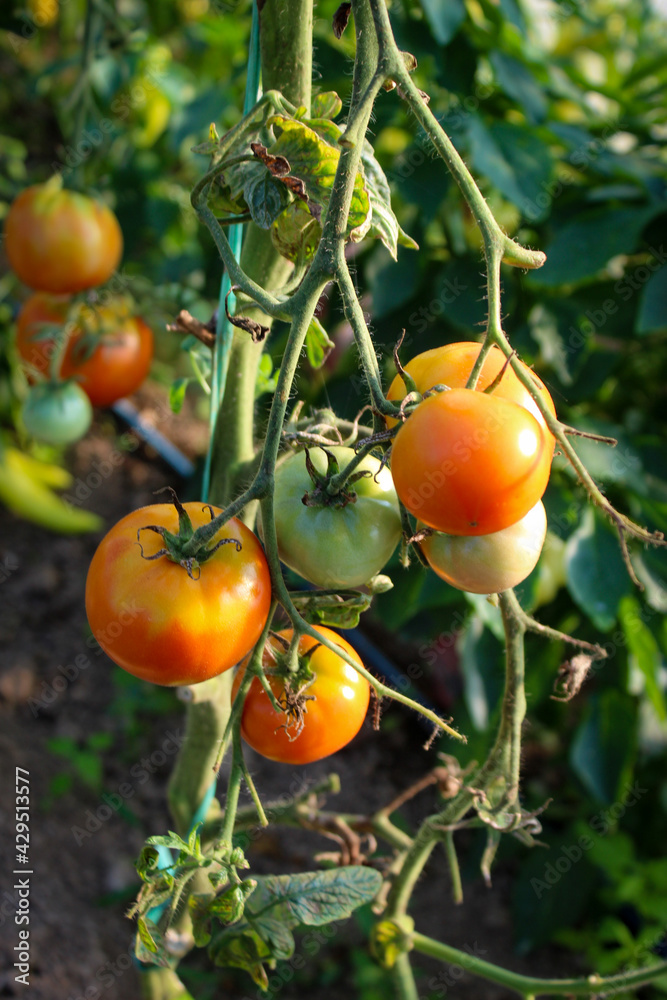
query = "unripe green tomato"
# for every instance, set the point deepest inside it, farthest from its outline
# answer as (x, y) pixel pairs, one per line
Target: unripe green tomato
(57, 412)
(336, 547)
(489, 564)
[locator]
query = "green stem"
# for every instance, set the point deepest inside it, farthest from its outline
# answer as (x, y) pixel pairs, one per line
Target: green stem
(527, 986)
(205, 724)
(498, 775)
(87, 55)
(454, 870)
(404, 980)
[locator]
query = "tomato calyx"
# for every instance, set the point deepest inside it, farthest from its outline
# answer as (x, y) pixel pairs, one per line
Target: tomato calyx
(179, 547)
(292, 667)
(323, 495)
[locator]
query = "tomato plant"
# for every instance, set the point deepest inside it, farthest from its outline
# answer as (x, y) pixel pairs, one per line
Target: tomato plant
(470, 464)
(309, 729)
(60, 241)
(334, 545)
(161, 624)
(56, 412)
(488, 564)
(452, 364)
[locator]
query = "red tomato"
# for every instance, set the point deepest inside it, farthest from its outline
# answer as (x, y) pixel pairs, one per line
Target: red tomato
(468, 464)
(488, 564)
(341, 697)
(122, 348)
(156, 622)
(451, 365)
(60, 241)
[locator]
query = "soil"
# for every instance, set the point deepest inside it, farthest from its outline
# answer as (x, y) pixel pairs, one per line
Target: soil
(65, 720)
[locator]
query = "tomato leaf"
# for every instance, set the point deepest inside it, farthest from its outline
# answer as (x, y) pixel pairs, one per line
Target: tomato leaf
(644, 651)
(266, 198)
(296, 233)
(314, 161)
(242, 950)
(652, 314)
(318, 344)
(326, 105)
(596, 575)
(315, 898)
(604, 744)
(384, 224)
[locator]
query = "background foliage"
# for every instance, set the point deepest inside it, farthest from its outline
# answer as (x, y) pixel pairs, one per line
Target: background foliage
(559, 110)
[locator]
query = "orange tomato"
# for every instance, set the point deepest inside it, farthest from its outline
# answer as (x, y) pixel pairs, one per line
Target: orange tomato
(451, 365)
(331, 720)
(161, 625)
(109, 367)
(469, 464)
(60, 241)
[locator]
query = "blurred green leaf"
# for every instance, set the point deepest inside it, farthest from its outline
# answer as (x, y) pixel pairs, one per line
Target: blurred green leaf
(604, 744)
(652, 313)
(596, 575)
(644, 650)
(445, 19)
(318, 344)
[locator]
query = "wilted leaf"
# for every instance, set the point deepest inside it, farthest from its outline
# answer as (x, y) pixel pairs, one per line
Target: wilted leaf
(315, 898)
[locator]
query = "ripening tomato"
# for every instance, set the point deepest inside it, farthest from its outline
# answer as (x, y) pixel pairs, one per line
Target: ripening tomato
(488, 564)
(469, 464)
(56, 412)
(60, 241)
(109, 350)
(452, 364)
(331, 720)
(157, 622)
(336, 546)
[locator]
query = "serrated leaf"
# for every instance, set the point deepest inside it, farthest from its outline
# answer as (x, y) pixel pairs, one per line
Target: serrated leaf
(384, 224)
(326, 105)
(177, 391)
(244, 950)
(169, 839)
(276, 935)
(314, 161)
(296, 233)
(318, 344)
(315, 898)
(266, 199)
(596, 575)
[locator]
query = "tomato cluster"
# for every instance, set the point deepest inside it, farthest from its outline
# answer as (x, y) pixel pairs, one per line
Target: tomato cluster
(473, 465)
(61, 243)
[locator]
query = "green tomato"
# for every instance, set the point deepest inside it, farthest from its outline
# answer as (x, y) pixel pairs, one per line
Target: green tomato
(57, 412)
(336, 547)
(489, 564)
